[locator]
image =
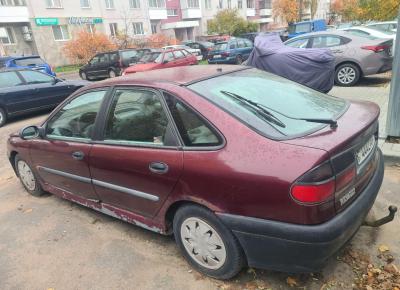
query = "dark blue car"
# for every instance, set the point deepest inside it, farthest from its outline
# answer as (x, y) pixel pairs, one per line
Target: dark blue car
(33, 62)
(233, 51)
(24, 91)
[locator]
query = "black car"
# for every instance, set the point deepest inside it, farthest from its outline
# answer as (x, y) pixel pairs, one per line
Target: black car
(204, 46)
(110, 64)
(23, 91)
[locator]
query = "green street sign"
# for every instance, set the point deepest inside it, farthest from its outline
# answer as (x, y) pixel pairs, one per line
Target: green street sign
(46, 21)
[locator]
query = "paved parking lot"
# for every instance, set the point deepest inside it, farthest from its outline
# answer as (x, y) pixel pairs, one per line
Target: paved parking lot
(48, 242)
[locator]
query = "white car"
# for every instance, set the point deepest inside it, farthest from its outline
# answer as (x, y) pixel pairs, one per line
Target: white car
(194, 51)
(389, 26)
(366, 31)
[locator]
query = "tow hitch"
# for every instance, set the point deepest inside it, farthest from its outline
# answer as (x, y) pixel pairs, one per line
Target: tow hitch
(384, 220)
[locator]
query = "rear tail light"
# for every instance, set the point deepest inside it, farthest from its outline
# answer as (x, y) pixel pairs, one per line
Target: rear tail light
(321, 183)
(225, 54)
(376, 48)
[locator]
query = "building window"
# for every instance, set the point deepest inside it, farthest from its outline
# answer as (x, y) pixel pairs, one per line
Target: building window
(110, 4)
(85, 3)
(19, 3)
(12, 3)
(193, 4)
(207, 4)
(265, 4)
(113, 29)
(250, 4)
(221, 4)
(138, 28)
(154, 28)
(7, 35)
(60, 32)
(172, 12)
(157, 3)
(134, 4)
(240, 4)
(229, 4)
(54, 3)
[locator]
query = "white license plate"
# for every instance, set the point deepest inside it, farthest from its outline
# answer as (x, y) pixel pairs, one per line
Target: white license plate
(217, 56)
(365, 150)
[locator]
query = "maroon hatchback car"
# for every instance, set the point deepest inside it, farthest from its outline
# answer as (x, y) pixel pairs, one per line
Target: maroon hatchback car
(242, 166)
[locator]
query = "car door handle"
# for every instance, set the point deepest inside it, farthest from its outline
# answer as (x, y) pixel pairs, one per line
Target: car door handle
(158, 167)
(78, 155)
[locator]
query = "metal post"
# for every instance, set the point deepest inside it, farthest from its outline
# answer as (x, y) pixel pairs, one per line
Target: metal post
(393, 116)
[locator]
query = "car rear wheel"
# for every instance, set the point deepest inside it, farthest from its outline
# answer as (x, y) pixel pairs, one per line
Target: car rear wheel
(347, 75)
(3, 117)
(206, 243)
(83, 76)
(112, 73)
(27, 177)
(239, 59)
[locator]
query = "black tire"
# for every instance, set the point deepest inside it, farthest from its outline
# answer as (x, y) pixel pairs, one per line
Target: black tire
(37, 190)
(3, 117)
(83, 76)
(347, 75)
(234, 258)
(239, 59)
(112, 73)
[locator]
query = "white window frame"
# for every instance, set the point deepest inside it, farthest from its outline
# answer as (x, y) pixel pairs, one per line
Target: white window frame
(241, 4)
(250, 4)
(62, 33)
(157, 4)
(110, 4)
(229, 4)
(193, 4)
(10, 36)
(134, 4)
(86, 7)
(113, 29)
(174, 14)
(135, 28)
(53, 4)
(207, 4)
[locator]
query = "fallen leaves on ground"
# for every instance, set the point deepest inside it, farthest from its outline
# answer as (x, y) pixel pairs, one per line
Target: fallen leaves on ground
(29, 210)
(383, 248)
(291, 281)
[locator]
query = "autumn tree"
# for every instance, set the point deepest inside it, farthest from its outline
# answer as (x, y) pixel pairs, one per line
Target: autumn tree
(229, 22)
(379, 10)
(287, 10)
(85, 45)
(313, 7)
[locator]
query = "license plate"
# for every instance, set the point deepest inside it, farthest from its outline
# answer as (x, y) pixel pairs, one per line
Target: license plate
(217, 56)
(365, 150)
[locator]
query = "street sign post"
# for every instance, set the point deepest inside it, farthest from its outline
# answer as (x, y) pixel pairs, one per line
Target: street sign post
(393, 116)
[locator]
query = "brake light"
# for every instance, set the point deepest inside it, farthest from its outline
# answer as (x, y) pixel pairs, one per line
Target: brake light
(314, 193)
(225, 54)
(345, 178)
(375, 48)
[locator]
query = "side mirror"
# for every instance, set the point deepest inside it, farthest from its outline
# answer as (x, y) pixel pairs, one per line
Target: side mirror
(30, 132)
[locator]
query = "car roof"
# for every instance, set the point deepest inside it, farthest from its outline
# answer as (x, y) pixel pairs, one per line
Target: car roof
(183, 75)
(22, 56)
(327, 32)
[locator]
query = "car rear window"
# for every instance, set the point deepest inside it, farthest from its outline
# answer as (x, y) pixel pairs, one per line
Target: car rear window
(221, 46)
(128, 54)
(283, 98)
(31, 61)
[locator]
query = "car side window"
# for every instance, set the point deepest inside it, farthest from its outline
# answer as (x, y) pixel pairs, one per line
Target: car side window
(299, 43)
(136, 115)
(193, 129)
(185, 52)
(33, 77)
(241, 44)
(114, 57)
(169, 56)
(248, 43)
(9, 79)
(94, 60)
(232, 45)
(104, 58)
(179, 54)
(75, 120)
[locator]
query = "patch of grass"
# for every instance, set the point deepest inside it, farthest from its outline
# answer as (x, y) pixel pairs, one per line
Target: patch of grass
(203, 62)
(67, 68)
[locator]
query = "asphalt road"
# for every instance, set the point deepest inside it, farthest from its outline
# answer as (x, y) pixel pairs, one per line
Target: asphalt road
(48, 242)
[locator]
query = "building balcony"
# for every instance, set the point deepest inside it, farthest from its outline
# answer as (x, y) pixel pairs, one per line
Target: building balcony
(180, 24)
(265, 12)
(14, 14)
(157, 13)
(190, 13)
(250, 12)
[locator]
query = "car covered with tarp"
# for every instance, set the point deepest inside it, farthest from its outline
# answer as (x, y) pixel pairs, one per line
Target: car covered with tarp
(314, 67)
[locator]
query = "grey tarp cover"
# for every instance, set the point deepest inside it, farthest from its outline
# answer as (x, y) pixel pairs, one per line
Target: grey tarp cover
(313, 67)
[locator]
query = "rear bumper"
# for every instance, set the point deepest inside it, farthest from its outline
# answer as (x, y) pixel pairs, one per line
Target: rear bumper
(302, 248)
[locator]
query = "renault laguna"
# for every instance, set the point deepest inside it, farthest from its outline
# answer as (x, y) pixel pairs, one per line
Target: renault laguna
(243, 167)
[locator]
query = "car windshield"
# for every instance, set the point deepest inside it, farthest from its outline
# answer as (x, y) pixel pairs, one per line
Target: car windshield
(128, 54)
(286, 99)
(221, 46)
(299, 28)
(31, 61)
(151, 57)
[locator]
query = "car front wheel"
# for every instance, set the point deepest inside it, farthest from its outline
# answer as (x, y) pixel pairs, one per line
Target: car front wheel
(206, 243)
(347, 75)
(83, 76)
(239, 59)
(3, 117)
(112, 73)
(27, 177)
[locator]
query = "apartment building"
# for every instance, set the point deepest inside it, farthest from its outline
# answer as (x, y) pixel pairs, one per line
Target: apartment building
(43, 26)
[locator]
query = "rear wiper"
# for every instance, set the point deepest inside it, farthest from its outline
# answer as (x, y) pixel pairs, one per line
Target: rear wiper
(258, 107)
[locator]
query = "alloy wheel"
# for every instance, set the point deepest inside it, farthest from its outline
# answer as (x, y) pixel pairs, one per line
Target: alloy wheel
(203, 243)
(112, 74)
(346, 75)
(26, 175)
